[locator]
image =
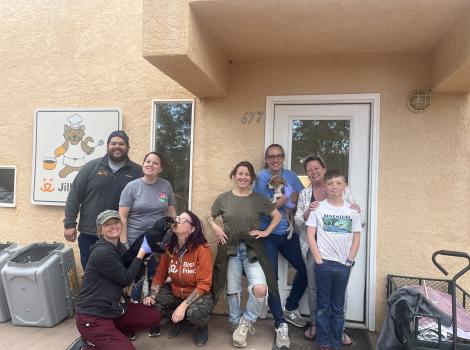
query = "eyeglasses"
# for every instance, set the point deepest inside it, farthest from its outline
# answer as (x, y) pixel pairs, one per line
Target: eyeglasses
(181, 220)
(275, 156)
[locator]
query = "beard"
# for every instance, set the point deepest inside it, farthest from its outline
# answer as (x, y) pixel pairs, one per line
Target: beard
(117, 159)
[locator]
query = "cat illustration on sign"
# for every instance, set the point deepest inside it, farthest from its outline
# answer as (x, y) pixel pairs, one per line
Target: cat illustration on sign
(75, 146)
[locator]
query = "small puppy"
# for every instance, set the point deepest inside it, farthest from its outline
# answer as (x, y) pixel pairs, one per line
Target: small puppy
(155, 238)
(280, 188)
(276, 184)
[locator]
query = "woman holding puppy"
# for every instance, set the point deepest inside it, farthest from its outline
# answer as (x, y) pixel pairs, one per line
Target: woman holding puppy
(240, 249)
(101, 318)
(282, 242)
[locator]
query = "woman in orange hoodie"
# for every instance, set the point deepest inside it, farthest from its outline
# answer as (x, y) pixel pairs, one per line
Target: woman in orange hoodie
(187, 299)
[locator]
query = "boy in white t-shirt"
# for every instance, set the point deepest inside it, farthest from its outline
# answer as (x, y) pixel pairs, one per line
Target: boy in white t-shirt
(337, 229)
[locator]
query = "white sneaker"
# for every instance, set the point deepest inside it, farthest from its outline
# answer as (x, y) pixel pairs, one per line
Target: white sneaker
(240, 334)
(282, 336)
(295, 318)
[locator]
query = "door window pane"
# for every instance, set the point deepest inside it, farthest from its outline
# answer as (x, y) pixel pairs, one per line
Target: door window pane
(326, 138)
(173, 124)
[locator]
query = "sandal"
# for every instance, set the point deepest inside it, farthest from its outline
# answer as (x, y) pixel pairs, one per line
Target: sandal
(346, 339)
(310, 332)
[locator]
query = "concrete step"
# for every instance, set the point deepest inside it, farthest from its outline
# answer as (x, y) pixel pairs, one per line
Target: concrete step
(220, 338)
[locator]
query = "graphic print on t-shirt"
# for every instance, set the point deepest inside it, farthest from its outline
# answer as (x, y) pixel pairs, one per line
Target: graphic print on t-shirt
(337, 223)
(164, 197)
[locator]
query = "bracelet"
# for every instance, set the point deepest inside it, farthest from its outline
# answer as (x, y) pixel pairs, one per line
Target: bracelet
(349, 262)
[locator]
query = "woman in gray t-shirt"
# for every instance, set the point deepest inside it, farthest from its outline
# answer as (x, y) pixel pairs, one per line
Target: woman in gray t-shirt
(143, 202)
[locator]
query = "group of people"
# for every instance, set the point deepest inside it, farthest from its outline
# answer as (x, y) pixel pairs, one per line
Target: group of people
(119, 200)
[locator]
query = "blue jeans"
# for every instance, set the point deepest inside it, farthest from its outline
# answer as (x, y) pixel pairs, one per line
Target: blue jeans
(85, 242)
(136, 292)
(312, 288)
(332, 279)
(255, 276)
(290, 250)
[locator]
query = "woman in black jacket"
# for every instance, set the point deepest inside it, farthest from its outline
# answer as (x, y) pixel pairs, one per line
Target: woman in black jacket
(103, 320)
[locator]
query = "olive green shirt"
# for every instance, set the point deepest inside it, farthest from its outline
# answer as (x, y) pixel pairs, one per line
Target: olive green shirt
(240, 215)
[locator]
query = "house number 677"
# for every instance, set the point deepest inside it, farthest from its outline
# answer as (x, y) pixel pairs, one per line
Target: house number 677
(248, 117)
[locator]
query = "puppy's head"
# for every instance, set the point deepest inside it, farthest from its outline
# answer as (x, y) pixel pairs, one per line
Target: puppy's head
(275, 181)
(163, 224)
(157, 232)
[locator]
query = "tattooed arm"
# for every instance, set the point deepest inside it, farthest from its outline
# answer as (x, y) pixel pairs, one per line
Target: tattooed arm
(203, 281)
(195, 295)
(149, 299)
(180, 311)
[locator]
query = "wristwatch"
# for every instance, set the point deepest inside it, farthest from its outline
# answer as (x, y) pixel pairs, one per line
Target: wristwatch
(349, 263)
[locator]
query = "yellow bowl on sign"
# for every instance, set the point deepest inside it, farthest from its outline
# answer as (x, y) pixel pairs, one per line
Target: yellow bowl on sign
(49, 163)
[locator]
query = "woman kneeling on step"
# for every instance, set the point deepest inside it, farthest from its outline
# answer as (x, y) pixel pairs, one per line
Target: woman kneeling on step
(103, 319)
(187, 299)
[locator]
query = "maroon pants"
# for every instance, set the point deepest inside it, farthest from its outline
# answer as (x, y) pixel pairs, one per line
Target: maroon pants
(109, 333)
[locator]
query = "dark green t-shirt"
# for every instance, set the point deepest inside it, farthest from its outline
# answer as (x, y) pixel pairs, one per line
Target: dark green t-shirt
(241, 214)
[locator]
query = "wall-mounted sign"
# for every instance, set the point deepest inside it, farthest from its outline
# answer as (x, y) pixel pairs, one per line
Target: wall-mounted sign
(64, 141)
(7, 186)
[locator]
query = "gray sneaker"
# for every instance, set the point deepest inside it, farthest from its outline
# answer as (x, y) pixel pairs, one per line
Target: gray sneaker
(294, 318)
(282, 336)
(240, 334)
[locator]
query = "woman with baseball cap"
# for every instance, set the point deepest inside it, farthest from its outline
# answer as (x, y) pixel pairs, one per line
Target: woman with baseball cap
(102, 318)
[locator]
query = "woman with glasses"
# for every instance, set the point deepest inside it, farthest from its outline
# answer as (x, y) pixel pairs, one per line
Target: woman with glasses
(280, 242)
(240, 250)
(309, 198)
(143, 202)
(187, 299)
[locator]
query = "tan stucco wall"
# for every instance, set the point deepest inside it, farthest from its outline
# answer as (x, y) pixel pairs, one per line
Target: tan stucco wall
(89, 54)
(69, 54)
(176, 43)
(451, 59)
(423, 172)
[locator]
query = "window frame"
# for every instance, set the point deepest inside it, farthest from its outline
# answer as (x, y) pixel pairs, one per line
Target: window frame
(13, 204)
(153, 120)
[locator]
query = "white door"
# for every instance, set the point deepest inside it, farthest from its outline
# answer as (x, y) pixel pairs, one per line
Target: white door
(339, 133)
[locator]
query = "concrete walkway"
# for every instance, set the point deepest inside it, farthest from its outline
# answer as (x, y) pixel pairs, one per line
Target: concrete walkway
(60, 337)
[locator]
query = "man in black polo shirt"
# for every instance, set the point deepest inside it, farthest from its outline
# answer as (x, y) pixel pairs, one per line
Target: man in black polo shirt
(97, 187)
